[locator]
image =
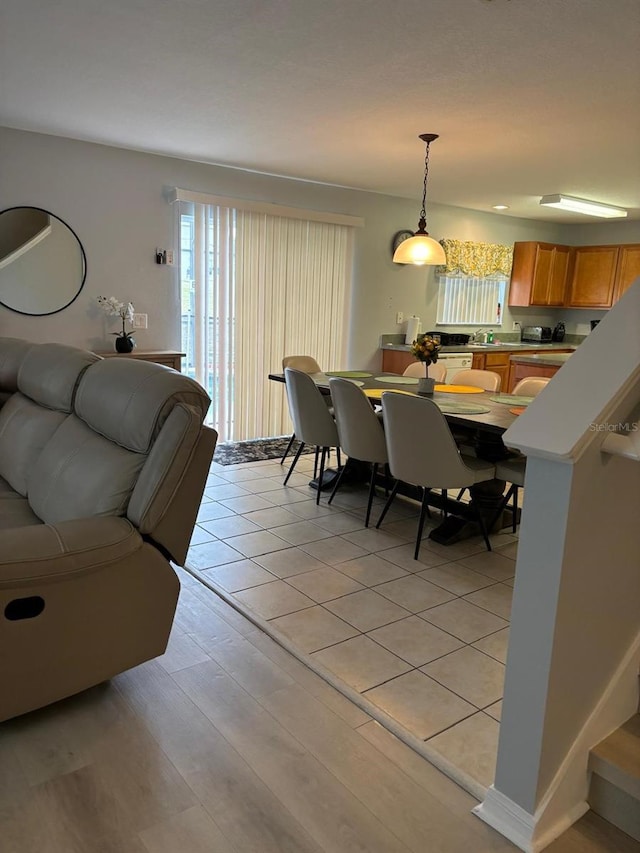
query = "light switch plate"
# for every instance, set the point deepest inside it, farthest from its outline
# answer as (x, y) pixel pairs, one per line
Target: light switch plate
(399, 317)
(140, 321)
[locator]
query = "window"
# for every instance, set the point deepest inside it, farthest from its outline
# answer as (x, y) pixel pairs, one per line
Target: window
(470, 300)
(472, 283)
(258, 282)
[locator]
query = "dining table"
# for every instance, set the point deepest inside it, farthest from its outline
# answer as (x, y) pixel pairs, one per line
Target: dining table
(476, 417)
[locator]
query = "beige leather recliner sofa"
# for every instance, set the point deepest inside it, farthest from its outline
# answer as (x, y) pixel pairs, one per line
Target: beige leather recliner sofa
(103, 463)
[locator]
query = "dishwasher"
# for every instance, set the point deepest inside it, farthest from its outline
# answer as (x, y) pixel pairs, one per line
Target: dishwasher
(455, 361)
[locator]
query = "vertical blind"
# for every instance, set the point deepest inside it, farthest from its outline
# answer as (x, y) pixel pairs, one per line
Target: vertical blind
(256, 287)
(465, 300)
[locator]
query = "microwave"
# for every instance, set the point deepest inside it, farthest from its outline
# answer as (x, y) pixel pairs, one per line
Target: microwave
(536, 334)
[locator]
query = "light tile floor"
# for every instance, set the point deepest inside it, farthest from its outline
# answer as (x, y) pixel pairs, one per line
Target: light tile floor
(424, 640)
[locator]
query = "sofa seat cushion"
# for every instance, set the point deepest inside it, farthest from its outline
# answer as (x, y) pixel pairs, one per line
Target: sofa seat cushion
(16, 512)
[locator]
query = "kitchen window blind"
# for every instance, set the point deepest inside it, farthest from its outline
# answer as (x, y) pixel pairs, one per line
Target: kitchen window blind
(255, 287)
(470, 300)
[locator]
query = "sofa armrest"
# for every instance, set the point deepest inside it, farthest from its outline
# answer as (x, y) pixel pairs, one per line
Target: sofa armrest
(53, 552)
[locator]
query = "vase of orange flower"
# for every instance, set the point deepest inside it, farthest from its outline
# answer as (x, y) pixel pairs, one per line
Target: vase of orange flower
(426, 350)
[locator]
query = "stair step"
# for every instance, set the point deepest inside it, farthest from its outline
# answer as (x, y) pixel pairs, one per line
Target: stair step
(614, 793)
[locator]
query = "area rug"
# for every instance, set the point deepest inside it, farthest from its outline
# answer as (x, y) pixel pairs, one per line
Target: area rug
(236, 452)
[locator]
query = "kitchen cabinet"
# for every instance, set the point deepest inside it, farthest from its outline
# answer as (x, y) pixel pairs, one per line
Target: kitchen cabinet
(539, 274)
(498, 362)
(628, 269)
(594, 277)
(519, 371)
(396, 361)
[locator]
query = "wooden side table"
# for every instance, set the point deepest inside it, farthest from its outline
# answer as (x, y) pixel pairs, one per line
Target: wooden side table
(168, 357)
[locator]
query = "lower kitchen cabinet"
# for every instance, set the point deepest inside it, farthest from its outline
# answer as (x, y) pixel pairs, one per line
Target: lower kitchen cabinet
(523, 371)
(396, 361)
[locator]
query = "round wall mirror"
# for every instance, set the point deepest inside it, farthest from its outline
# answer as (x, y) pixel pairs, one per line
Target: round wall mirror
(42, 263)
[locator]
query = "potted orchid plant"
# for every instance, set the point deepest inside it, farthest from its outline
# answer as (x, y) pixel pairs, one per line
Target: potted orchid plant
(114, 308)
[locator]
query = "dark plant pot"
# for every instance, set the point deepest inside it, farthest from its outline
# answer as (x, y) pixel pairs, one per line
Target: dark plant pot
(124, 343)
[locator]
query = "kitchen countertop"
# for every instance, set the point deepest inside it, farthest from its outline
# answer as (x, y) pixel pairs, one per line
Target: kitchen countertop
(505, 347)
(544, 359)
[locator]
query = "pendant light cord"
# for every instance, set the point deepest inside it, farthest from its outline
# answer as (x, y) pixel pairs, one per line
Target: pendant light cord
(423, 212)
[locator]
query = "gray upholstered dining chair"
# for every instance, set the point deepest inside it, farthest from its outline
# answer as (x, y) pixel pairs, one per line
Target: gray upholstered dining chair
(486, 379)
(360, 432)
(423, 453)
(313, 423)
(307, 364)
(436, 371)
(513, 471)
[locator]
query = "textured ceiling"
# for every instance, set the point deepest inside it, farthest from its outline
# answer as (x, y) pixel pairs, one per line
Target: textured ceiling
(529, 97)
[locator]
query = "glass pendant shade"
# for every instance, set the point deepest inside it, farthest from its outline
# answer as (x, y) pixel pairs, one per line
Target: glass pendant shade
(419, 250)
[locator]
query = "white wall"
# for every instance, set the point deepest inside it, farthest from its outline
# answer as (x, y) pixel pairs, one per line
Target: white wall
(113, 199)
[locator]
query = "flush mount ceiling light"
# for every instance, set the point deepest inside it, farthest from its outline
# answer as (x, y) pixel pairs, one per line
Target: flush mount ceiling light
(421, 249)
(500, 207)
(583, 205)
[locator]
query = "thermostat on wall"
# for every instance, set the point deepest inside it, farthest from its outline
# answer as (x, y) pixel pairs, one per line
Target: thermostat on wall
(164, 256)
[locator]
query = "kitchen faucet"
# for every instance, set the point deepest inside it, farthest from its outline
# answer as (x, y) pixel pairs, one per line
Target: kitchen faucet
(475, 337)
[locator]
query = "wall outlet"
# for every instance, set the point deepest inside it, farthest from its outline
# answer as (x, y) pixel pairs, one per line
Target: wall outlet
(515, 326)
(399, 317)
(140, 321)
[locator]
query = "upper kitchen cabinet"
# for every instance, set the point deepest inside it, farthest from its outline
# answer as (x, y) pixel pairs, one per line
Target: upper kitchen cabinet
(593, 279)
(628, 268)
(539, 274)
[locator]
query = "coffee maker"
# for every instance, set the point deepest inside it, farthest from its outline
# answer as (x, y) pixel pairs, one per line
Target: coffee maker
(558, 333)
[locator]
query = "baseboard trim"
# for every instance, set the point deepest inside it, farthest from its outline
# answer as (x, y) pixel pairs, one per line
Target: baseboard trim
(521, 827)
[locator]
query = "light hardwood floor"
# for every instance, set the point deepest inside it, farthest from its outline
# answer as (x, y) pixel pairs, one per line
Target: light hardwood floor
(228, 744)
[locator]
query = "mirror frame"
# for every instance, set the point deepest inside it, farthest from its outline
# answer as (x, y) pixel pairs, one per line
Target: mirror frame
(82, 252)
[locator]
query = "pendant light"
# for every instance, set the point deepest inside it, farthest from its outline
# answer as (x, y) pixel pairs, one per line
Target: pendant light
(421, 249)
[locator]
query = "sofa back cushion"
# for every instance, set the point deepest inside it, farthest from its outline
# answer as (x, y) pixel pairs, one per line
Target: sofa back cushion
(81, 474)
(46, 377)
(25, 428)
(92, 463)
(49, 374)
(12, 352)
(128, 401)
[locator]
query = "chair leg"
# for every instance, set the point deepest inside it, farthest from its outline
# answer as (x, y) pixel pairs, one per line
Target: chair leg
(338, 457)
(323, 456)
(461, 493)
(315, 463)
(372, 490)
(515, 508)
(339, 480)
(289, 446)
(293, 464)
(424, 509)
(444, 509)
(483, 527)
(503, 503)
(388, 503)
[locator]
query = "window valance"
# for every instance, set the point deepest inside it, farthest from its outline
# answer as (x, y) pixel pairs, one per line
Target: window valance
(476, 259)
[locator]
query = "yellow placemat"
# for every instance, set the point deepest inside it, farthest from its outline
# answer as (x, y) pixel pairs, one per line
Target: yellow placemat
(376, 393)
(459, 389)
